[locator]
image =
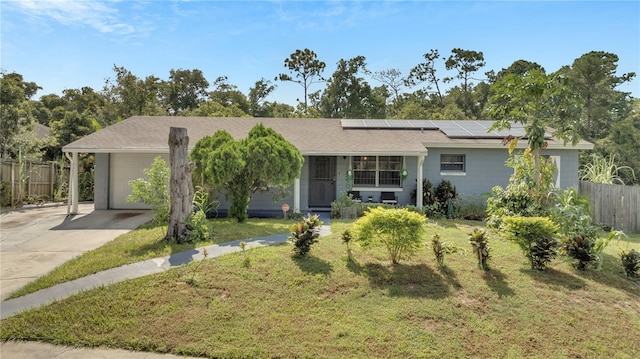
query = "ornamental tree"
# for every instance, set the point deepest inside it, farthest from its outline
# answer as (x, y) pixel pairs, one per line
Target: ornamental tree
(537, 101)
(243, 167)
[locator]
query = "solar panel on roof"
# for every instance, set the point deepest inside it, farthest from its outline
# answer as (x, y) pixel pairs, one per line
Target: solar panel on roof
(452, 129)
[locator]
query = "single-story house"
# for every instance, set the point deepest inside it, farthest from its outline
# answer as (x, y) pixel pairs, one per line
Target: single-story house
(368, 156)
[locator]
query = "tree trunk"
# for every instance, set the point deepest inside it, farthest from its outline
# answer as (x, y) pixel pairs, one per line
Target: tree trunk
(180, 184)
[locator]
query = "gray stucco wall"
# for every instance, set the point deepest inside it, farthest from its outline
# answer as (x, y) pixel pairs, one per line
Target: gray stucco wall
(485, 168)
(101, 181)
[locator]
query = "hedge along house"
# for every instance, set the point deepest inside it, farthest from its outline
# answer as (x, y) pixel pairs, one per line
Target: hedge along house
(369, 156)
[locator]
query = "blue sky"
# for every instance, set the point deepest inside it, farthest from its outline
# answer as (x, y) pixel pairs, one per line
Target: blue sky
(63, 44)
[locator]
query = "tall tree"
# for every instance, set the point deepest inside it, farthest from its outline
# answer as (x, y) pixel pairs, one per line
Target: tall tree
(257, 96)
(623, 143)
(348, 95)
(518, 67)
(465, 62)
(304, 69)
(425, 72)
(261, 161)
(130, 95)
(216, 109)
(393, 83)
(186, 90)
(15, 94)
(536, 101)
(71, 127)
(593, 79)
(392, 79)
(228, 94)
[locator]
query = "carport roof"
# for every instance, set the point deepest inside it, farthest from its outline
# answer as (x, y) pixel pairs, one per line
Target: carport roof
(149, 134)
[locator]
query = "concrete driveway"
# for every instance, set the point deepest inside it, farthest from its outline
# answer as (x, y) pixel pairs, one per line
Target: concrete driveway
(34, 241)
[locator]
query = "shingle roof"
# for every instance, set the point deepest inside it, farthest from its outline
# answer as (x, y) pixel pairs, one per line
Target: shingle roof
(42, 131)
(311, 136)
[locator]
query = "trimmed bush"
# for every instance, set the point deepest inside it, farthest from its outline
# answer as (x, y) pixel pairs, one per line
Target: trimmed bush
(399, 230)
(535, 236)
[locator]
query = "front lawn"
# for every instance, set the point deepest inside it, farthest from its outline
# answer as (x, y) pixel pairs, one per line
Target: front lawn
(145, 243)
(324, 306)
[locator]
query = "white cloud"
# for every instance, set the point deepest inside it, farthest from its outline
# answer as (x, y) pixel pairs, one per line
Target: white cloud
(100, 16)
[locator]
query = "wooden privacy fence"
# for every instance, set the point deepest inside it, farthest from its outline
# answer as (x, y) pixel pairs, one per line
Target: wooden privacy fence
(614, 205)
(38, 181)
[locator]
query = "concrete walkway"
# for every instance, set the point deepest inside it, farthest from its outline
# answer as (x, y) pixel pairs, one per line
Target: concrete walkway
(41, 350)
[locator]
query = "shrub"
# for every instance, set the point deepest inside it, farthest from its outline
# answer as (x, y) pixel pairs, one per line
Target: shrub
(535, 236)
(524, 196)
(471, 208)
(154, 191)
(580, 248)
(200, 228)
(5, 194)
(428, 196)
(203, 201)
(346, 207)
(397, 229)
(444, 191)
(631, 262)
(440, 248)
(571, 213)
(602, 243)
(480, 247)
(439, 202)
(580, 243)
(305, 233)
(346, 237)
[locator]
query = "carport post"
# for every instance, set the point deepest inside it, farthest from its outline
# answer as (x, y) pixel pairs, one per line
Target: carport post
(296, 195)
(72, 204)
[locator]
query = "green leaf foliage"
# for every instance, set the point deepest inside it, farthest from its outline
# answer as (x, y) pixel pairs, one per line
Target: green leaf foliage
(535, 236)
(479, 242)
(262, 161)
(581, 249)
(631, 262)
(523, 196)
(305, 233)
(571, 213)
(440, 248)
(399, 230)
(604, 170)
(153, 191)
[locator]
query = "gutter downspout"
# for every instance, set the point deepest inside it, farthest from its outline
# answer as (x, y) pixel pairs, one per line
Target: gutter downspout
(72, 198)
(419, 184)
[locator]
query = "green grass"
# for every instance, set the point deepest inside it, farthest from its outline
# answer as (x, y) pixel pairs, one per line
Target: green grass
(145, 243)
(324, 306)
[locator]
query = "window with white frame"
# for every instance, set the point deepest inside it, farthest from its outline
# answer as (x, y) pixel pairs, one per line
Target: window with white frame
(452, 163)
(377, 171)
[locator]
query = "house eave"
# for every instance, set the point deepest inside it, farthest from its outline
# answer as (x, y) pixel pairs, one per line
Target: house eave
(116, 150)
(522, 145)
(304, 153)
(362, 153)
